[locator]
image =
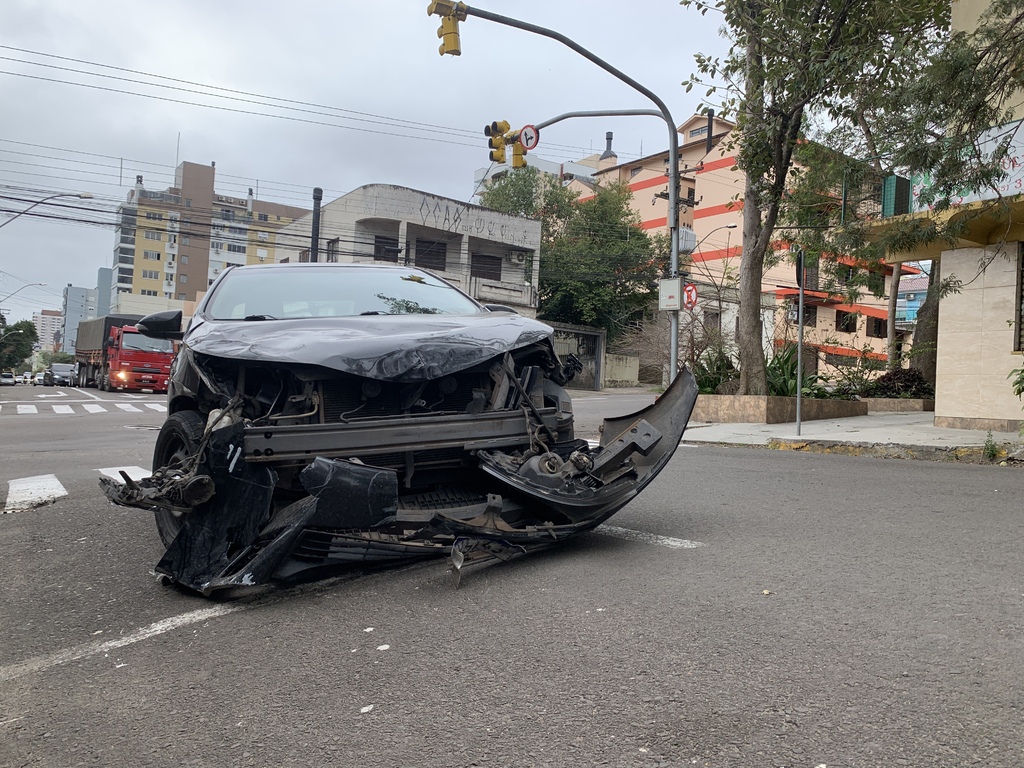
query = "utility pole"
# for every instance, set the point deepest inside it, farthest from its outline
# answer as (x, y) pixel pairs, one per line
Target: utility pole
(314, 244)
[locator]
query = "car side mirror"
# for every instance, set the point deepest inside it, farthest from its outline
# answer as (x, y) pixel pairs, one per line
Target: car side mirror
(499, 308)
(162, 325)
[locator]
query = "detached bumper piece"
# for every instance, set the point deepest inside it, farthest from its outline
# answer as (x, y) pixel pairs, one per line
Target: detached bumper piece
(509, 503)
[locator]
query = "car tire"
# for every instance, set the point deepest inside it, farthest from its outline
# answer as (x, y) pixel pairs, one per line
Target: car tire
(104, 382)
(179, 438)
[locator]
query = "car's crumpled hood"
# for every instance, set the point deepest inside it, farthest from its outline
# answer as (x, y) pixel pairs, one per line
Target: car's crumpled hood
(387, 347)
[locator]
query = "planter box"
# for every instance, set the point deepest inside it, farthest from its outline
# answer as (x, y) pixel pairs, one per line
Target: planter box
(761, 409)
(901, 404)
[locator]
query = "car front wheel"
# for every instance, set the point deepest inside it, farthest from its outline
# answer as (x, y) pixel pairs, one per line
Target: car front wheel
(177, 442)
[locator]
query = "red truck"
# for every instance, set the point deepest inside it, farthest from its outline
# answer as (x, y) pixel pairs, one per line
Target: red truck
(112, 355)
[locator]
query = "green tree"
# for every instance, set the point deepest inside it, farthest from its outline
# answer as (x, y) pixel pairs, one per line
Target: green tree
(17, 343)
(597, 265)
(790, 59)
(601, 269)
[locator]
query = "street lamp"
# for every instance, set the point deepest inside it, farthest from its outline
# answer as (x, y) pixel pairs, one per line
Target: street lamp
(82, 195)
(26, 285)
(12, 333)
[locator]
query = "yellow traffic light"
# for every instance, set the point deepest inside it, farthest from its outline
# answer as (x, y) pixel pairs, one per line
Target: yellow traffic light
(496, 139)
(518, 155)
(449, 34)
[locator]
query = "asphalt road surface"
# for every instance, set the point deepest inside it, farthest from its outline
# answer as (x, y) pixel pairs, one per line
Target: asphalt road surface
(750, 608)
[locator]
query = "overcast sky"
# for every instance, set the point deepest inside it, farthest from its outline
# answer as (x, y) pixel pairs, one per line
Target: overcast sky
(391, 109)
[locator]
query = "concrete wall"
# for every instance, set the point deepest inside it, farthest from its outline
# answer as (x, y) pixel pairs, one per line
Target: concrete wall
(976, 343)
(760, 409)
(621, 371)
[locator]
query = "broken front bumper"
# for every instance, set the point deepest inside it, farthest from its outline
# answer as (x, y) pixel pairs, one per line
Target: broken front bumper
(512, 501)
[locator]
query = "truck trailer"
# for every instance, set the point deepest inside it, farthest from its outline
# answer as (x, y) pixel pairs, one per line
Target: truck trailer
(112, 355)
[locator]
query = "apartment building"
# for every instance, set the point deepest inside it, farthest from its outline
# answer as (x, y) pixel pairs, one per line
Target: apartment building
(171, 244)
(48, 323)
(489, 255)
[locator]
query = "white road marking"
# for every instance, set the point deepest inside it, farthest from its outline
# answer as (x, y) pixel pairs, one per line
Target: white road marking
(647, 538)
(129, 407)
(41, 663)
(27, 409)
(94, 408)
(157, 407)
(87, 394)
(57, 394)
(63, 409)
(135, 473)
(27, 492)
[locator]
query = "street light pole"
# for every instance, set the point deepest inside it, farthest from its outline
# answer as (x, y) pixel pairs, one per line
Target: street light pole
(26, 285)
(463, 10)
(82, 195)
(12, 333)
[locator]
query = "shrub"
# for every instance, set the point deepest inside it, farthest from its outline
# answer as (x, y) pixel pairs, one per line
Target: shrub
(712, 369)
(899, 382)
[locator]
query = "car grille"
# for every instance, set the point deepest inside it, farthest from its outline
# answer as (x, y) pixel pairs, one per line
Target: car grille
(343, 398)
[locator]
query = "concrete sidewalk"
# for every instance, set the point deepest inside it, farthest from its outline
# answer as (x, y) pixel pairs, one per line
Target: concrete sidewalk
(896, 434)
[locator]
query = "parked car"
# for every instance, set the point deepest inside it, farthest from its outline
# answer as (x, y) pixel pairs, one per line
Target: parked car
(7, 379)
(58, 375)
(322, 415)
(38, 379)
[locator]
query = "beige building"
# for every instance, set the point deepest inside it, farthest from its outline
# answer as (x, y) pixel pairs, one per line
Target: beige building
(171, 244)
(711, 189)
(981, 328)
(487, 254)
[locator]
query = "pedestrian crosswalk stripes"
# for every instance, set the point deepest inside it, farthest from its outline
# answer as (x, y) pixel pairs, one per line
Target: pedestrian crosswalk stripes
(79, 408)
(28, 492)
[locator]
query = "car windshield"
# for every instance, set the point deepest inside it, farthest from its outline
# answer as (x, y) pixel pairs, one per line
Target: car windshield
(62, 368)
(142, 343)
(331, 291)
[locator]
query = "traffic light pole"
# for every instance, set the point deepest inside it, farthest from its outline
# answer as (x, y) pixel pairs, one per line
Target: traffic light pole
(673, 144)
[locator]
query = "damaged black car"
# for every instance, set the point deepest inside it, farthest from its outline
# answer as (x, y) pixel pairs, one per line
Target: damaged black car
(324, 415)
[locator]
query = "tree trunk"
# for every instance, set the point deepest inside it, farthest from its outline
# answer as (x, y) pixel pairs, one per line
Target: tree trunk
(894, 289)
(926, 332)
(753, 379)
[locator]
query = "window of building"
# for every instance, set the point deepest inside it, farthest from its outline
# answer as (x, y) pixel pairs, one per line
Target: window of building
(184, 259)
(262, 217)
(154, 215)
(151, 255)
(304, 256)
(150, 274)
(910, 297)
(333, 250)
(634, 171)
(232, 248)
(188, 204)
(712, 321)
(145, 292)
(385, 249)
(432, 254)
(877, 328)
(702, 131)
(227, 214)
(485, 266)
(172, 239)
(169, 277)
(181, 297)
(846, 322)
(186, 240)
(151, 235)
(182, 278)
(209, 282)
(265, 236)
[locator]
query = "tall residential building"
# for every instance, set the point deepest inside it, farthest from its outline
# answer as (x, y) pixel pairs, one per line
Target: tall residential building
(79, 304)
(172, 244)
(48, 324)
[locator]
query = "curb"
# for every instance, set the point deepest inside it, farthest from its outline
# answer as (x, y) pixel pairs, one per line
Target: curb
(966, 455)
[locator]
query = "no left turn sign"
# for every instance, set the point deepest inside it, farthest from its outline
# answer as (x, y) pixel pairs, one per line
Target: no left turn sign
(529, 137)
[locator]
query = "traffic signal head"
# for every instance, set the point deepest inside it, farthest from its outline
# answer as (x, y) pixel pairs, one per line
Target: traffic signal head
(449, 34)
(497, 128)
(518, 156)
(497, 145)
